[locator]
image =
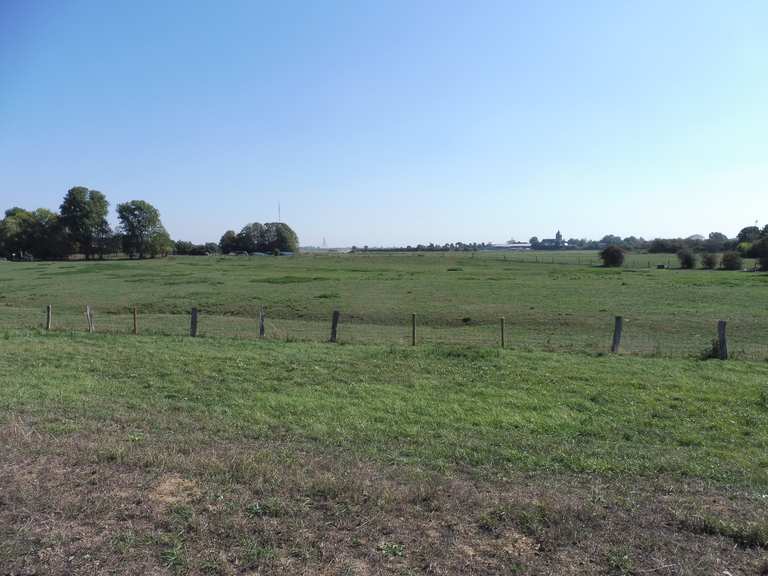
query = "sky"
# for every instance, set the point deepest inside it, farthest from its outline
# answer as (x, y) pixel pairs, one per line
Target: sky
(393, 122)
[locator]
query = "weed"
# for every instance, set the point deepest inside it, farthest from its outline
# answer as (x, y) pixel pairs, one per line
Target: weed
(392, 549)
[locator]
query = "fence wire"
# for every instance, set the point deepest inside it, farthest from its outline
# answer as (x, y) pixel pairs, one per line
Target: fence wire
(680, 337)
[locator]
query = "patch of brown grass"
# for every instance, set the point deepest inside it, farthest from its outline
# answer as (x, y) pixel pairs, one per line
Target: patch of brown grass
(116, 503)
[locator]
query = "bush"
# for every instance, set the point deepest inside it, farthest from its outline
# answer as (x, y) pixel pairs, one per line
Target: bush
(612, 256)
(710, 261)
(687, 259)
(760, 251)
(732, 261)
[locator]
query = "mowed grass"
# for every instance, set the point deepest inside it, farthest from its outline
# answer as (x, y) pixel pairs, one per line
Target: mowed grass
(567, 305)
(444, 408)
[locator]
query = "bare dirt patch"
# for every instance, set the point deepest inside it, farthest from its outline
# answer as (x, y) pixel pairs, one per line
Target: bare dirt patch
(108, 504)
(172, 489)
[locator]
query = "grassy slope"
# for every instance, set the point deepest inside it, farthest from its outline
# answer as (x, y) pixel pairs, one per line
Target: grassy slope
(437, 407)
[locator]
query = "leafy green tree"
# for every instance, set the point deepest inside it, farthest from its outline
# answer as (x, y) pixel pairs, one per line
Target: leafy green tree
(287, 240)
(182, 247)
(15, 234)
(760, 251)
(749, 234)
(710, 260)
(45, 235)
(84, 220)
(612, 256)
(142, 231)
(228, 242)
(252, 238)
(732, 261)
(160, 243)
(687, 259)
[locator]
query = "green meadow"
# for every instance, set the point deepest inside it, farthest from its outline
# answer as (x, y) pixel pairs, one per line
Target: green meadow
(568, 305)
(159, 453)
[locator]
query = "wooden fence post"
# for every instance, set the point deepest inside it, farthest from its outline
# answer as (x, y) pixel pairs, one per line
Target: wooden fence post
(334, 325)
(261, 322)
(135, 320)
(722, 341)
(413, 329)
(48, 317)
(193, 323)
(501, 325)
(617, 334)
(89, 318)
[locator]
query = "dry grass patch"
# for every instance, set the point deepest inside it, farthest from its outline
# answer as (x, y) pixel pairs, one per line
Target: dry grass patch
(261, 508)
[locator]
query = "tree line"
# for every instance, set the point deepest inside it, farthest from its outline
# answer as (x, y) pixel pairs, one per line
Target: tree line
(268, 238)
(746, 243)
(751, 242)
(80, 227)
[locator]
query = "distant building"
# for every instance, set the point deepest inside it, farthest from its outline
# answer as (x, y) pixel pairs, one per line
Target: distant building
(509, 246)
(555, 243)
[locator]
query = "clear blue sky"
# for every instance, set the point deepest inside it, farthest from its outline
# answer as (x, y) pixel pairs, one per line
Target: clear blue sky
(393, 122)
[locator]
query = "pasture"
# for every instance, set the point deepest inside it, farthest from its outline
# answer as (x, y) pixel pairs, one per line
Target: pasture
(458, 298)
(227, 454)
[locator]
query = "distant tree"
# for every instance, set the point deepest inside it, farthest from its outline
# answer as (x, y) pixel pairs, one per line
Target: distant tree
(748, 234)
(715, 242)
(252, 238)
(211, 247)
(611, 239)
(142, 230)
(687, 259)
(228, 242)
(160, 243)
(760, 251)
(666, 245)
(14, 233)
(182, 247)
(732, 261)
(287, 240)
(45, 236)
(267, 238)
(612, 256)
(84, 219)
(534, 242)
(710, 260)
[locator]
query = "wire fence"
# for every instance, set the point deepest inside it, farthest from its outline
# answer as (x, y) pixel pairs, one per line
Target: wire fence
(678, 337)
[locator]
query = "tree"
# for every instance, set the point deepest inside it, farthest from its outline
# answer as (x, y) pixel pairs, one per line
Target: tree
(612, 256)
(760, 251)
(534, 242)
(748, 234)
(611, 239)
(252, 238)
(84, 220)
(710, 260)
(732, 261)
(256, 237)
(687, 259)
(14, 233)
(182, 247)
(228, 242)
(286, 239)
(143, 232)
(45, 236)
(160, 243)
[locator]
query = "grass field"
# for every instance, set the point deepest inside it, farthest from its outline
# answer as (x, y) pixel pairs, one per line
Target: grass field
(225, 454)
(458, 298)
